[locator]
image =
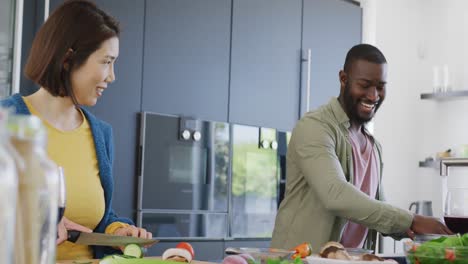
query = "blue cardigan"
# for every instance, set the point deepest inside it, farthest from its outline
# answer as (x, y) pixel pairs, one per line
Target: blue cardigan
(102, 135)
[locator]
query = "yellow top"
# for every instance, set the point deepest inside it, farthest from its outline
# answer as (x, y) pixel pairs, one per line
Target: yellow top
(74, 151)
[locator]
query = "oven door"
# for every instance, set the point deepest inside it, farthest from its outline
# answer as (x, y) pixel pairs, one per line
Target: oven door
(255, 179)
(184, 164)
(165, 225)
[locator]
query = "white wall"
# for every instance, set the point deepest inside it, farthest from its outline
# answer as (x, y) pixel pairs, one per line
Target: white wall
(415, 35)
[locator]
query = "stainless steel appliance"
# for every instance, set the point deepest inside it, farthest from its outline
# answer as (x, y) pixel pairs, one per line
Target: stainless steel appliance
(255, 181)
(183, 179)
(202, 179)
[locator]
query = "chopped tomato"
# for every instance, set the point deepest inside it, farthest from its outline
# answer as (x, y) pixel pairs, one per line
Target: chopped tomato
(303, 250)
(450, 254)
(186, 246)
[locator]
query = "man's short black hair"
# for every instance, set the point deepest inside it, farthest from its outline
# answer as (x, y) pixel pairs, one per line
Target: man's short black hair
(363, 52)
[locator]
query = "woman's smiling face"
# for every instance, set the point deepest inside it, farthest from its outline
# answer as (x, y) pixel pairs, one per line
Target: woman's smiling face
(91, 79)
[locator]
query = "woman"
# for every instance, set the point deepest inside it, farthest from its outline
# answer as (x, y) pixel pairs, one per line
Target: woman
(72, 60)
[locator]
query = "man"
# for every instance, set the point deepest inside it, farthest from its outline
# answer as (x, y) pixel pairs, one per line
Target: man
(334, 168)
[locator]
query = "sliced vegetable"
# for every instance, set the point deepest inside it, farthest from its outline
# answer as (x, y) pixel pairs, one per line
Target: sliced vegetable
(450, 254)
(248, 258)
(107, 260)
(177, 254)
(234, 259)
(303, 250)
(187, 247)
(133, 250)
(120, 259)
(297, 260)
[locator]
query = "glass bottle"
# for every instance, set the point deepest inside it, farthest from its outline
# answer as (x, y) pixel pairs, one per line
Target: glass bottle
(8, 192)
(36, 224)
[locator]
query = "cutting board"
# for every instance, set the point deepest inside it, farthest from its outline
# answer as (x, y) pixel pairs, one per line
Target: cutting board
(96, 261)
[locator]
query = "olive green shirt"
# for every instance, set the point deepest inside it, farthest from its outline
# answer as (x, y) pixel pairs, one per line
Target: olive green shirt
(320, 196)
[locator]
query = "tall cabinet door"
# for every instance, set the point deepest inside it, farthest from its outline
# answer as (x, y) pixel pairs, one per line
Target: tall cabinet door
(7, 34)
(331, 28)
(121, 103)
(265, 63)
(186, 58)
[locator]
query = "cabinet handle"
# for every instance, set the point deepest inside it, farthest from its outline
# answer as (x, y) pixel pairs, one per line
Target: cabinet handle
(309, 54)
(46, 9)
(19, 6)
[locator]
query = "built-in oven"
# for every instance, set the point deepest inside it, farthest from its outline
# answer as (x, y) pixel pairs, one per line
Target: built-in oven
(183, 181)
(202, 179)
(255, 181)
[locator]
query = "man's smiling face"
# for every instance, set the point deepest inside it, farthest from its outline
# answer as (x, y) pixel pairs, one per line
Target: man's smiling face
(363, 90)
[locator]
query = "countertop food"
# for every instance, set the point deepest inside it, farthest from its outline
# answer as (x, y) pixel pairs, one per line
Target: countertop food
(260, 256)
(443, 250)
(96, 261)
(315, 259)
(335, 253)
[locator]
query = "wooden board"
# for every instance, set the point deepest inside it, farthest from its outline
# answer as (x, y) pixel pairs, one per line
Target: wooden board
(96, 261)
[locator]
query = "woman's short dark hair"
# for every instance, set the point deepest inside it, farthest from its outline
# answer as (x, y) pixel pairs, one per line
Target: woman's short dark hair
(75, 30)
(365, 52)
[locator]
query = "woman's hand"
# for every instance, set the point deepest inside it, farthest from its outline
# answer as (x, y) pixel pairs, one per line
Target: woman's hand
(65, 225)
(133, 231)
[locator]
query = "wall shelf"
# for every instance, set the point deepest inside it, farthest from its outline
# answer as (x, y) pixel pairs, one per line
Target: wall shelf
(429, 164)
(445, 95)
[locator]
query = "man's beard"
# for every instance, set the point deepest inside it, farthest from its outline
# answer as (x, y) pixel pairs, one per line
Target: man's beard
(351, 107)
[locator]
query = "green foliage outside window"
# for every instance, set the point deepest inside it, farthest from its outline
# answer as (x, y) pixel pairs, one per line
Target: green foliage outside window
(254, 171)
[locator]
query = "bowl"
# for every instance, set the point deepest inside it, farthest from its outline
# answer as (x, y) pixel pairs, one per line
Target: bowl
(421, 238)
(262, 254)
(434, 253)
(356, 252)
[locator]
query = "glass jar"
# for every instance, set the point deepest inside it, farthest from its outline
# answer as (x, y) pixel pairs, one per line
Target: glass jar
(36, 225)
(8, 192)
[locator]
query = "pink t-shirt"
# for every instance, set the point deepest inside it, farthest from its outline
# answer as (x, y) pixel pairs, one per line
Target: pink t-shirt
(366, 178)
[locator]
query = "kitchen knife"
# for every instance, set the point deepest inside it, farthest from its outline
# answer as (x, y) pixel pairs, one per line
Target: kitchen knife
(259, 252)
(99, 239)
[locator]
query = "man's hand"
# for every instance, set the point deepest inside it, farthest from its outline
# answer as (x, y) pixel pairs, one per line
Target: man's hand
(427, 225)
(65, 225)
(133, 231)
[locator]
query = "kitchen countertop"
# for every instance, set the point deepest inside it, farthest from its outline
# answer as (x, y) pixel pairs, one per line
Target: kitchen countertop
(399, 259)
(96, 261)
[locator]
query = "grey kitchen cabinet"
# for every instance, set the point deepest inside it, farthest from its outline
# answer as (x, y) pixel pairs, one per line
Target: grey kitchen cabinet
(330, 29)
(32, 19)
(7, 45)
(200, 58)
(265, 63)
(186, 58)
(120, 103)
